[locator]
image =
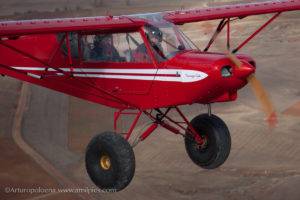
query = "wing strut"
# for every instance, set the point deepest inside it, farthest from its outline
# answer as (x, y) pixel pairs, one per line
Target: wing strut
(225, 22)
(215, 35)
(255, 33)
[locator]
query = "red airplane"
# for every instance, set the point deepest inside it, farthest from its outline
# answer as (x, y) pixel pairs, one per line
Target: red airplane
(139, 64)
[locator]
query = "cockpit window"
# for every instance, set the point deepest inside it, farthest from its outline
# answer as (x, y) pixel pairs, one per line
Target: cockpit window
(111, 47)
(167, 40)
(116, 47)
(73, 40)
(164, 39)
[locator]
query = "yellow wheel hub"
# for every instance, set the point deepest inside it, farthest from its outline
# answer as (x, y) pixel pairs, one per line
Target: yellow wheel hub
(105, 162)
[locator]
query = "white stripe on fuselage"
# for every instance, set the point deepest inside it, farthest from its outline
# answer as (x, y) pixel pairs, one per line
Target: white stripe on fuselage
(171, 75)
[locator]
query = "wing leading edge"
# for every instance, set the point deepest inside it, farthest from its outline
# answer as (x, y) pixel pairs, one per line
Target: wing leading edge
(110, 23)
(229, 11)
(127, 23)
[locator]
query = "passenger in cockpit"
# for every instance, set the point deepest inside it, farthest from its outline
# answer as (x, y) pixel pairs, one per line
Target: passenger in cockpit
(104, 49)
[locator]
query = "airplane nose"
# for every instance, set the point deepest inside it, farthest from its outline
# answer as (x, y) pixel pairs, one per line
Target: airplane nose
(244, 70)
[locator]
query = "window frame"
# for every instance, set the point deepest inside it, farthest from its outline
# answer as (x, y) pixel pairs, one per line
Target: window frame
(139, 31)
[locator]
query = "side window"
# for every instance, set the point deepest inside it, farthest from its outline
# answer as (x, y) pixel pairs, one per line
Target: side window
(116, 47)
(155, 38)
(73, 38)
(170, 42)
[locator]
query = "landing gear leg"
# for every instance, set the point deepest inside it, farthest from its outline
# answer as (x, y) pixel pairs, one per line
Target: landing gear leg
(207, 138)
(209, 109)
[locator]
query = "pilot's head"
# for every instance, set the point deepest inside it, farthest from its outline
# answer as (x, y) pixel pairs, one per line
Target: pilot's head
(154, 35)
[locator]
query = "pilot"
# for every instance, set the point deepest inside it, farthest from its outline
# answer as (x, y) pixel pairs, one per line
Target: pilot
(155, 37)
(104, 49)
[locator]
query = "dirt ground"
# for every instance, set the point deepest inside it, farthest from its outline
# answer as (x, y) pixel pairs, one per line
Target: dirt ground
(263, 164)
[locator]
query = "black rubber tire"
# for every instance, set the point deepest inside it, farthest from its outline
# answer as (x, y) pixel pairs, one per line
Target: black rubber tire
(122, 160)
(218, 145)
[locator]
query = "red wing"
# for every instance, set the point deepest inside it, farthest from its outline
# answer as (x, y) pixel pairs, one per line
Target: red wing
(25, 27)
(237, 10)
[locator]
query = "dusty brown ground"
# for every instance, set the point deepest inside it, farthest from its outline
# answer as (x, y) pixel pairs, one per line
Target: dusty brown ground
(18, 170)
(262, 164)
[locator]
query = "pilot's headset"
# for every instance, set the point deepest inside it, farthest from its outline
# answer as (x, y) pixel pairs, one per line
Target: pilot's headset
(154, 31)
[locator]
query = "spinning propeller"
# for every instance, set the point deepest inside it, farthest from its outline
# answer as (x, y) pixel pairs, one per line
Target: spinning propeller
(260, 93)
(258, 89)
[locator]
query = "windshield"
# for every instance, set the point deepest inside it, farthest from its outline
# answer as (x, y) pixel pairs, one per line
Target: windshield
(167, 40)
